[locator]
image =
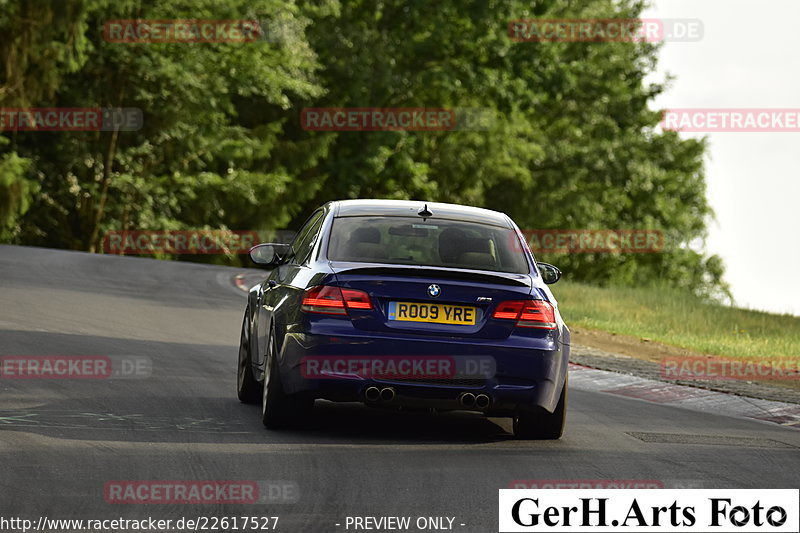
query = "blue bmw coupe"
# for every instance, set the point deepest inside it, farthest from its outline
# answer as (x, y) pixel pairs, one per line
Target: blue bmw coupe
(406, 304)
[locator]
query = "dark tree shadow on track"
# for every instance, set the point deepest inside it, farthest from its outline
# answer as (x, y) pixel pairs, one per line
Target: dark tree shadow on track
(189, 396)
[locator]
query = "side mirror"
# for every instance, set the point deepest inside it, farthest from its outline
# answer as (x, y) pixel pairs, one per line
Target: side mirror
(268, 254)
(550, 274)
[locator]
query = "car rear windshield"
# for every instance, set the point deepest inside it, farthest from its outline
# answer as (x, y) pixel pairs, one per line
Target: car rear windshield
(438, 243)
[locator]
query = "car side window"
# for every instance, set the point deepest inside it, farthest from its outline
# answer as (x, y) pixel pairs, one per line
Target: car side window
(306, 237)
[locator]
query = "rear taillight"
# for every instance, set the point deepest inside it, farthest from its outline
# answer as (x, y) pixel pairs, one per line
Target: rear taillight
(508, 310)
(334, 301)
(527, 313)
(354, 299)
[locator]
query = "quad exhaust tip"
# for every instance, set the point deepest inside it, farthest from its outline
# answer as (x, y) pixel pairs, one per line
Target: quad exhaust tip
(467, 399)
(374, 394)
(387, 394)
(470, 401)
(482, 401)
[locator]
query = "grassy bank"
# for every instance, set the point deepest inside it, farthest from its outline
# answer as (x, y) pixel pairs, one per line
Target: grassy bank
(680, 319)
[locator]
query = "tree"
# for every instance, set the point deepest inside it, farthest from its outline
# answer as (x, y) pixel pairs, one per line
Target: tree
(575, 144)
(42, 42)
(212, 152)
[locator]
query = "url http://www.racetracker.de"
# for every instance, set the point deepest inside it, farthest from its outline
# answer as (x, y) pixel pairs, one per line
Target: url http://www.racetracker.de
(199, 523)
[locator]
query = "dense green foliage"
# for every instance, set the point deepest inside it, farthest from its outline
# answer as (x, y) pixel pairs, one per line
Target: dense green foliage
(574, 144)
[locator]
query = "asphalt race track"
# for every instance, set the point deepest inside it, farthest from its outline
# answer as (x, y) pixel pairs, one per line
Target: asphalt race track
(63, 440)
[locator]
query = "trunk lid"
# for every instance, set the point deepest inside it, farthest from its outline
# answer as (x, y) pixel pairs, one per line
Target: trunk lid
(402, 294)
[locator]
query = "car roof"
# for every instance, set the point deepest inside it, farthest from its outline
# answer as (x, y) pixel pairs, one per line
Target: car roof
(404, 208)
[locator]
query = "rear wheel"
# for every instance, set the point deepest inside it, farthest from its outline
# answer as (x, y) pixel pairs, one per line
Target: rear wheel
(540, 424)
(247, 388)
(278, 410)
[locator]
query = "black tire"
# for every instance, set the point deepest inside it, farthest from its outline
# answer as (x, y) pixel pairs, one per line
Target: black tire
(278, 410)
(247, 388)
(540, 424)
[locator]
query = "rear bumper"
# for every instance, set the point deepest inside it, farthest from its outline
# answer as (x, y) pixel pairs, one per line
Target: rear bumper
(527, 372)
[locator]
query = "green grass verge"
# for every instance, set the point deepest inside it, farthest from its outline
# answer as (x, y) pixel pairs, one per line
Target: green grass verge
(680, 319)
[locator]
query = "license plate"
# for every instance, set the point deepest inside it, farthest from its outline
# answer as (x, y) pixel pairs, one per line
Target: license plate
(436, 313)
